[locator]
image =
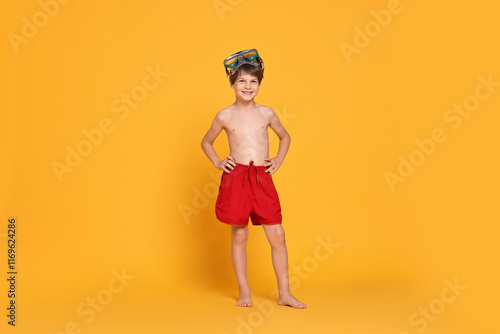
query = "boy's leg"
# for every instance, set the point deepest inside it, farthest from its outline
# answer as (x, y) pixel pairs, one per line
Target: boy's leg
(239, 238)
(276, 236)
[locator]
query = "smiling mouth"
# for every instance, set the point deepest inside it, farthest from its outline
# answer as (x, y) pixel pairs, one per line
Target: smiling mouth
(247, 93)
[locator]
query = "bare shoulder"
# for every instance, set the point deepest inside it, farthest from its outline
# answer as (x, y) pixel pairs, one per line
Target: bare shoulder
(267, 111)
(223, 115)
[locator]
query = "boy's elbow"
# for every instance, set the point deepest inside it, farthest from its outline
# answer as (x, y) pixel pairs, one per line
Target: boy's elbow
(285, 140)
(205, 143)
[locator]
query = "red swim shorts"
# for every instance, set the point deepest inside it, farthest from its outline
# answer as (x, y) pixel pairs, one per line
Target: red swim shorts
(248, 191)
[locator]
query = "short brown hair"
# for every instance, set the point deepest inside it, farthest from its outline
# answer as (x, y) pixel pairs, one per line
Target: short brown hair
(256, 71)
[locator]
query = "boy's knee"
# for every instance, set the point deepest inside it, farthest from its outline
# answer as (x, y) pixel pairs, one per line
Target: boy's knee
(278, 236)
(281, 239)
(240, 236)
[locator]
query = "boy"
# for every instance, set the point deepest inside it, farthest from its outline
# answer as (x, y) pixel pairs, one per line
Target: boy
(247, 189)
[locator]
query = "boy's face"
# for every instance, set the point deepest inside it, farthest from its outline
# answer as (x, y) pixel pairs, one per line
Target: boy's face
(246, 86)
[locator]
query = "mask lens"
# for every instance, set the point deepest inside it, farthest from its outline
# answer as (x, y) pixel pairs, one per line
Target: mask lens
(250, 55)
(231, 62)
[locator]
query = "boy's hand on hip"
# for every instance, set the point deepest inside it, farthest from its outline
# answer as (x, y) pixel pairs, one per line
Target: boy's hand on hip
(227, 164)
(273, 164)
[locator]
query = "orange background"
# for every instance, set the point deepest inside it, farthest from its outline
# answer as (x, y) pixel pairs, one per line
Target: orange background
(142, 199)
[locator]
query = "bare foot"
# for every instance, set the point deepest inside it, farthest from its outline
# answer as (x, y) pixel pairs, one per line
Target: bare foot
(289, 300)
(245, 297)
(244, 302)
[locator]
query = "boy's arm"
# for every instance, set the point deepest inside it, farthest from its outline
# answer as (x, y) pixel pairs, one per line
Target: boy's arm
(208, 147)
(284, 136)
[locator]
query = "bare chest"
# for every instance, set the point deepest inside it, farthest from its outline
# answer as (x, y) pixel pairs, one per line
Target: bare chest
(247, 126)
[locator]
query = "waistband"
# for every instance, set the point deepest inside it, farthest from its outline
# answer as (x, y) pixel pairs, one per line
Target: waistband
(264, 168)
(252, 167)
